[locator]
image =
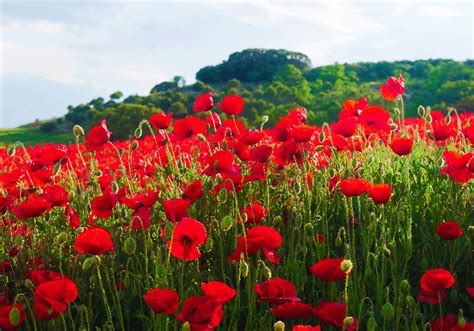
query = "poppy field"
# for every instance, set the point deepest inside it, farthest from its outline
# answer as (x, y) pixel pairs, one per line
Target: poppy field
(201, 223)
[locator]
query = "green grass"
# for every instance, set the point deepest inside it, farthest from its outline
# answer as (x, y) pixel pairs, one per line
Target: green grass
(32, 136)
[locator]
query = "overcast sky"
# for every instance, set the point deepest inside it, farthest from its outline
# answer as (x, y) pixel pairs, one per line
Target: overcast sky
(60, 53)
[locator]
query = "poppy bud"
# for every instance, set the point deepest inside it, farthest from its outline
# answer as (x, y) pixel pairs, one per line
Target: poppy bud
(470, 230)
(371, 324)
(14, 316)
(277, 219)
(226, 223)
(186, 327)
(266, 271)
(448, 119)
(346, 266)
(134, 145)
(321, 137)
(348, 321)
(319, 148)
(397, 111)
(77, 130)
(29, 284)
(244, 268)
(388, 311)
(461, 319)
(429, 133)
(410, 301)
(57, 168)
(201, 137)
(393, 126)
(264, 121)
(61, 238)
(11, 151)
(338, 242)
(309, 229)
(279, 326)
(244, 217)
(405, 285)
(209, 245)
(88, 263)
(138, 132)
(115, 187)
(421, 111)
(130, 246)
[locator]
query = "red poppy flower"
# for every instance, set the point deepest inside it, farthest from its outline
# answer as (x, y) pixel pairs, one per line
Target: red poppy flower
(393, 88)
(431, 296)
(188, 127)
(470, 291)
(231, 104)
(203, 103)
(449, 230)
(72, 217)
(219, 161)
(5, 322)
(328, 269)
(258, 238)
(219, 291)
(194, 191)
(201, 312)
(187, 235)
(252, 137)
(353, 186)
(300, 327)
(380, 193)
(436, 280)
(95, 241)
(102, 205)
(176, 209)
(346, 127)
(276, 291)
(261, 153)
(51, 298)
(298, 115)
(141, 218)
(333, 313)
(447, 322)
(353, 108)
(162, 300)
(374, 119)
(55, 195)
(302, 133)
(255, 213)
(442, 131)
(40, 276)
(458, 166)
(33, 207)
(213, 120)
(292, 310)
(145, 199)
(161, 120)
(402, 145)
(98, 136)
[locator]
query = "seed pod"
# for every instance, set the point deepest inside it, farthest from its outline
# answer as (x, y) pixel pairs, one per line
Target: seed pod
(130, 246)
(461, 319)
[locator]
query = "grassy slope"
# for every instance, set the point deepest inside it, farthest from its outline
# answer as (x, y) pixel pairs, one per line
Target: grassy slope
(31, 136)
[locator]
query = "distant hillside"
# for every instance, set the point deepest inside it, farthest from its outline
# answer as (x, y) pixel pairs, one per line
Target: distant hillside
(274, 81)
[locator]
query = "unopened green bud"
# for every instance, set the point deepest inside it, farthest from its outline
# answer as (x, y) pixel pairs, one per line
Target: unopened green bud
(201, 137)
(29, 284)
(134, 145)
(421, 111)
(266, 271)
(138, 132)
(186, 327)
(11, 151)
(244, 268)
(319, 148)
(309, 229)
(61, 238)
(461, 319)
(130, 246)
(226, 223)
(397, 111)
(77, 130)
(115, 187)
(388, 311)
(405, 285)
(393, 126)
(88, 263)
(209, 245)
(277, 219)
(14, 316)
(448, 119)
(57, 168)
(346, 266)
(371, 324)
(321, 136)
(410, 301)
(279, 326)
(264, 120)
(348, 321)
(387, 252)
(470, 230)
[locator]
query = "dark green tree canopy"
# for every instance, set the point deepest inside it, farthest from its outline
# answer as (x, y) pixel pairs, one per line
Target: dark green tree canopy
(253, 65)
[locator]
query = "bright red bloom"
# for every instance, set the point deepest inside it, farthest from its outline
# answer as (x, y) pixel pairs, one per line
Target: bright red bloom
(333, 313)
(470, 291)
(55, 195)
(5, 323)
(203, 103)
(258, 238)
(446, 323)
(95, 241)
(458, 166)
(98, 136)
(431, 296)
(261, 153)
(40, 276)
(252, 137)
(188, 127)
(187, 235)
(33, 207)
(328, 269)
(161, 120)
(176, 209)
(72, 217)
(353, 186)
(193, 191)
(374, 119)
(232, 104)
(202, 313)
(276, 291)
(353, 108)
(449, 230)
(402, 145)
(141, 218)
(380, 193)
(292, 310)
(145, 199)
(346, 127)
(219, 291)
(300, 327)
(302, 133)
(162, 300)
(436, 280)
(213, 120)
(393, 88)
(51, 298)
(102, 205)
(255, 213)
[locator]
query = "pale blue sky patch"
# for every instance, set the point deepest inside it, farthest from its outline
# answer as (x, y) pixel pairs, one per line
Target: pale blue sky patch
(60, 53)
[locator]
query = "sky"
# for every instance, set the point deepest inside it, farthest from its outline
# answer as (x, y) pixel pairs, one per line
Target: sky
(59, 53)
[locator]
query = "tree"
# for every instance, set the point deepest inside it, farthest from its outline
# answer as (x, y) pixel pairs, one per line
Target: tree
(116, 95)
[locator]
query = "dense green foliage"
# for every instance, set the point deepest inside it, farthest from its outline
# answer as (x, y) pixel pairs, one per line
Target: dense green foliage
(274, 81)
